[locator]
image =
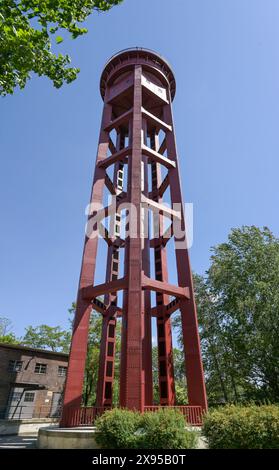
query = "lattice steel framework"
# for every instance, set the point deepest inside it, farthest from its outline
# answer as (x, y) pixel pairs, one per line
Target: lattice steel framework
(137, 86)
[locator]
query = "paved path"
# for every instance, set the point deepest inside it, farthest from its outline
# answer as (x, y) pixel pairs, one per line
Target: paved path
(18, 442)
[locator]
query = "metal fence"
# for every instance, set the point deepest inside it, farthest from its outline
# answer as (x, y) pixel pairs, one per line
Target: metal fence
(82, 416)
(85, 416)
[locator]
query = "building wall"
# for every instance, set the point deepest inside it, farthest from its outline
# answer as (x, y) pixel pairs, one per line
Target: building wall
(50, 382)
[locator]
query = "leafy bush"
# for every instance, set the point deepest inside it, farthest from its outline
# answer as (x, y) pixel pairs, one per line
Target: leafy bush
(243, 427)
(116, 429)
(163, 429)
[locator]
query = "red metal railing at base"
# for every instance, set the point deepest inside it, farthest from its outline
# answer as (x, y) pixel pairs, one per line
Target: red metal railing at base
(82, 416)
(86, 416)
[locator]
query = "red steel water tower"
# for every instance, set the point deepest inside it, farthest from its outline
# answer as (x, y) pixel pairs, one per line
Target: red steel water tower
(137, 164)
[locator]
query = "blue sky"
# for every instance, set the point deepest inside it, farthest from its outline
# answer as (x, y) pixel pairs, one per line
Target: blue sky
(225, 57)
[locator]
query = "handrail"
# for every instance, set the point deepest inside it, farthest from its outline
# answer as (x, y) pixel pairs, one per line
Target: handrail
(136, 48)
(86, 416)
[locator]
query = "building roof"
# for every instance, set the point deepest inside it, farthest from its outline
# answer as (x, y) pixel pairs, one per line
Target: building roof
(27, 348)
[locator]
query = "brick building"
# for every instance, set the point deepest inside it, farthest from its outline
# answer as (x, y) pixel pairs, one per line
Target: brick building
(31, 381)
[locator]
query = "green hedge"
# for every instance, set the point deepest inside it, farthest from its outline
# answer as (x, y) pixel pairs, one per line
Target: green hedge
(242, 427)
(116, 429)
(163, 429)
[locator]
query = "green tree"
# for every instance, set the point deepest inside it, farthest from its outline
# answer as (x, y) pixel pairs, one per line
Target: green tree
(238, 310)
(6, 334)
(47, 337)
(27, 30)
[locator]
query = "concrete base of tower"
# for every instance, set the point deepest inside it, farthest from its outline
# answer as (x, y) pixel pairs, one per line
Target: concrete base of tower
(84, 438)
(67, 438)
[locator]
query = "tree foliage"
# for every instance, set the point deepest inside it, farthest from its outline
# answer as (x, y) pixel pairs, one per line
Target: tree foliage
(238, 309)
(47, 337)
(27, 30)
(6, 334)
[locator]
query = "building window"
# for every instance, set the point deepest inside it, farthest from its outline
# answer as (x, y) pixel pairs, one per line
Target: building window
(62, 371)
(29, 396)
(15, 366)
(40, 368)
(16, 396)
